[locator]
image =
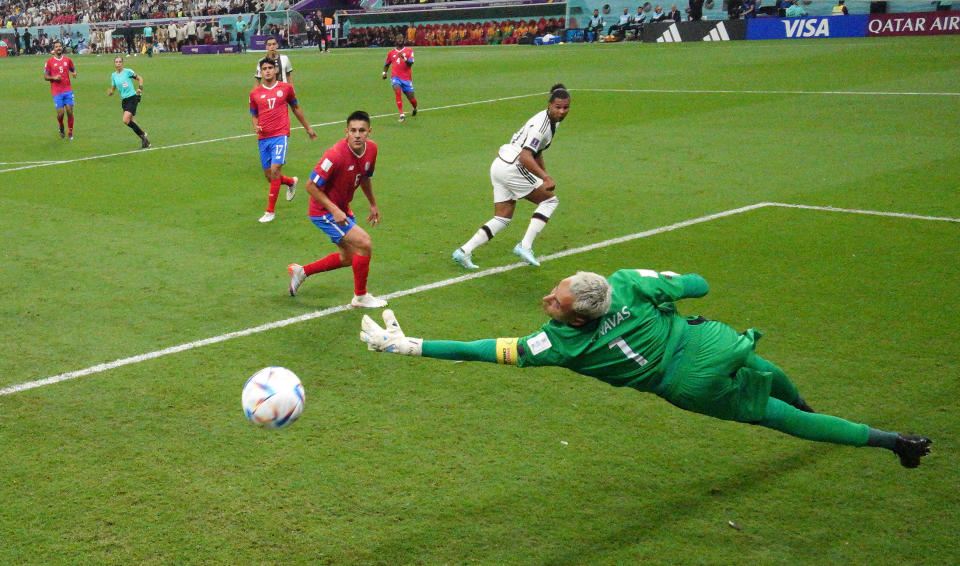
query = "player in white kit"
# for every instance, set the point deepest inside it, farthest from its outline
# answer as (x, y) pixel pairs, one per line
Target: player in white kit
(518, 173)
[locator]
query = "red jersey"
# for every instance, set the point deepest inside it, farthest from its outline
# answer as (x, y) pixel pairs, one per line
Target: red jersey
(270, 105)
(63, 67)
(338, 175)
(397, 59)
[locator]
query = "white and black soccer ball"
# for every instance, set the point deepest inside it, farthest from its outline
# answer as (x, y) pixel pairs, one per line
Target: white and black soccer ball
(273, 398)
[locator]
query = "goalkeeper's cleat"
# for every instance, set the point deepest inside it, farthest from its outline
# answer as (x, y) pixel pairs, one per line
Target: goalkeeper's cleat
(910, 448)
(292, 189)
(463, 259)
(401, 118)
(526, 254)
(267, 217)
(144, 142)
(367, 301)
(297, 275)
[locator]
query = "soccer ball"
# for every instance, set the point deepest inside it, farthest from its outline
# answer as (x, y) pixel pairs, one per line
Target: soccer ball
(273, 398)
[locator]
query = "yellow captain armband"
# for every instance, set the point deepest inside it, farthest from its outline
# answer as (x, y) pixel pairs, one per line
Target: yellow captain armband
(507, 351)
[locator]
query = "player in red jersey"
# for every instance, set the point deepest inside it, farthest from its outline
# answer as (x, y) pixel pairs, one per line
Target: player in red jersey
(344, 167)
(57, 71)
(271, 122)
(400, 61)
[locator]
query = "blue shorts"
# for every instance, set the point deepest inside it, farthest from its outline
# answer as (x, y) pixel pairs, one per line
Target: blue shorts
(405, 86)
(335, 231)
(273, 150)
(63, 99)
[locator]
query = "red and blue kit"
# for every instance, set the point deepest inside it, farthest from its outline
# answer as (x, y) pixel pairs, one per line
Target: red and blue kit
(338, 174)
(270, 105)
(397, 59)
(62, 66)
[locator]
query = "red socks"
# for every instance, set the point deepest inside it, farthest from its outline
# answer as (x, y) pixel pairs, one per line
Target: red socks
(69, 124)
(361, 268)
(413, 101)
(328, 263)
(399, 101)
(60, 121)
(286, 180)
(274, 193)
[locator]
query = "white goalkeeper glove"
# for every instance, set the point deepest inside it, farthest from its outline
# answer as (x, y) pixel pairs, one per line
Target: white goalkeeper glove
(389, 339)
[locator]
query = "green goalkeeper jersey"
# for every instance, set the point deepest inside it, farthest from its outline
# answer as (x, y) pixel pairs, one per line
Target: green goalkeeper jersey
(630, 346)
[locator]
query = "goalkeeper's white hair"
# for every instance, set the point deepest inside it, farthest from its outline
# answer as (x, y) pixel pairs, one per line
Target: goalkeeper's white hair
(592, 295)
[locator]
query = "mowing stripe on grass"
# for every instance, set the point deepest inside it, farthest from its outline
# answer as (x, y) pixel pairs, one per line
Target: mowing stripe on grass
(35, 164)
(444, 283)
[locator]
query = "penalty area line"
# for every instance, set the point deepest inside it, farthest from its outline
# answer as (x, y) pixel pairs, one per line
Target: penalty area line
(99, 368)
(810, 92)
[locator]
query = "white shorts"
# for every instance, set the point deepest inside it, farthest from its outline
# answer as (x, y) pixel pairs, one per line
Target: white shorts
(511, 181)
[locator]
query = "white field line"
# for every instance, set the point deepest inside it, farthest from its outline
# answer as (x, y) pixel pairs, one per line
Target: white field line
(811, 92)
(437, 285)
(35, 164)
(869, 212)
(23, 162)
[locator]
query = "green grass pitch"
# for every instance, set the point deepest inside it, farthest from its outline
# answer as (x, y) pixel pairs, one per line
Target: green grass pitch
(116, 253)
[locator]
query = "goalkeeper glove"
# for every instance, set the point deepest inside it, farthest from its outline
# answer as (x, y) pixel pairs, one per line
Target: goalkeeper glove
(389, 339)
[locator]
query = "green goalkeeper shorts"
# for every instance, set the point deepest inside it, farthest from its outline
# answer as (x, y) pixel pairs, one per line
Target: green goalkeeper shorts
(708, 375)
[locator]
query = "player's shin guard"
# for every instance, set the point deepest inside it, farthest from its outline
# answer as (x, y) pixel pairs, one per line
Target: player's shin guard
(399, 101)
(274, 193)
(485, 233)
(329, 263)
(813, 426)
(361, 269)
(540, 218)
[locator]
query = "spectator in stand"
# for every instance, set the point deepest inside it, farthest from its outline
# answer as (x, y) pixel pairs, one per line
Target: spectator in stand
(749, 9)
(674, 14)
(840, 9)
(794, 10)
(595, 26)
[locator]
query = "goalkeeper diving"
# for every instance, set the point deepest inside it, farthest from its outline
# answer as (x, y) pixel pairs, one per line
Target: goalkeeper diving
(625, 330)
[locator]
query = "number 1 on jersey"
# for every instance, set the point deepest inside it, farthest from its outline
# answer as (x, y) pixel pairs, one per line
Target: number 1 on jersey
(627, 351)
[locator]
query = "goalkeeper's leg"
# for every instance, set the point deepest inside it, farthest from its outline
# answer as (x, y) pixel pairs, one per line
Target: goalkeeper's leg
(781, 387)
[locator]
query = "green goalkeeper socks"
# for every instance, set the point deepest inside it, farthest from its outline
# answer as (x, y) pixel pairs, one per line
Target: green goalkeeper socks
(814, 426)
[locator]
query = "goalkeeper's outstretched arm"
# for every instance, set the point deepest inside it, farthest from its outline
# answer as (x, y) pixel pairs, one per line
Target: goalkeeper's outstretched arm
(391, 339)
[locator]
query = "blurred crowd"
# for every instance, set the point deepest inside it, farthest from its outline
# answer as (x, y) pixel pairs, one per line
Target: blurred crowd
(24, 13)
(464, 33)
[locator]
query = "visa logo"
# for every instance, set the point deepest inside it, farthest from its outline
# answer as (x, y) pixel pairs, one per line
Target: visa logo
(809, 27)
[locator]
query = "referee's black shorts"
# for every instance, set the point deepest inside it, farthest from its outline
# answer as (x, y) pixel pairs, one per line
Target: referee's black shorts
(130, 103)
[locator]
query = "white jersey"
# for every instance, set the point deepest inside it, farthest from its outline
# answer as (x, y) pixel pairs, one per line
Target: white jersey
(535, 135)
(285, 68)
